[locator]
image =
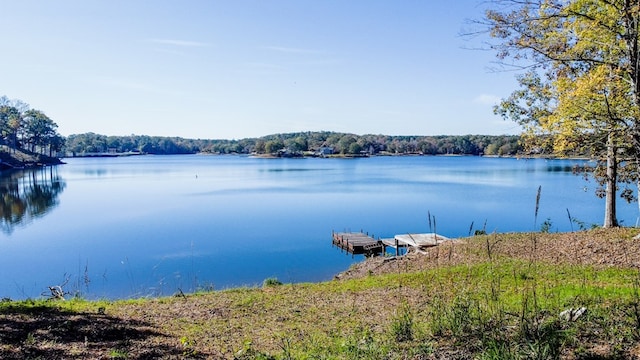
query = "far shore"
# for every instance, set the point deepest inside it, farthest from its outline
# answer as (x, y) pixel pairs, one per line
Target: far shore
(22, 160)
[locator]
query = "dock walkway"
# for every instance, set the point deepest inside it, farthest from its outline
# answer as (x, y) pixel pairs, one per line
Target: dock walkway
(418, 242)
(361, 243)
(357, 243)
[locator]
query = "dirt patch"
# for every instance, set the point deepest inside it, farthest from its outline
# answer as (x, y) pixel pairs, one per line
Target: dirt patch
(49, 333)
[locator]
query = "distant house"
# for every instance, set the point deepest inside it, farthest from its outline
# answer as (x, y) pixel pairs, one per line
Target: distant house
(325, 150)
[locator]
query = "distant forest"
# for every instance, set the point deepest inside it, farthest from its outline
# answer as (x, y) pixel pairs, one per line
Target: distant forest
(298, 144)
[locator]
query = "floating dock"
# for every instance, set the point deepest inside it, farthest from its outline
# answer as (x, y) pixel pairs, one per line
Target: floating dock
(361, 243)
(358, 243)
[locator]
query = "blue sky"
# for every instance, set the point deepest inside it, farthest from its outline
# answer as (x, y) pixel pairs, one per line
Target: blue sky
(237, 68)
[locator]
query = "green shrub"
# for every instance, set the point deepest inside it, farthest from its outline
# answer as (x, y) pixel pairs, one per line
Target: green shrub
(271, 282)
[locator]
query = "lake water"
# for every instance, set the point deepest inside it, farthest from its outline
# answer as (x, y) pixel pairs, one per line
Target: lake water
(154, 225)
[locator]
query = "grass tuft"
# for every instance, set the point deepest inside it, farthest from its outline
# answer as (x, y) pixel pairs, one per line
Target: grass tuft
(402, 323)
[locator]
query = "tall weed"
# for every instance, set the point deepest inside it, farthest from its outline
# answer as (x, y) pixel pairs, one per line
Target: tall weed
(402, 324)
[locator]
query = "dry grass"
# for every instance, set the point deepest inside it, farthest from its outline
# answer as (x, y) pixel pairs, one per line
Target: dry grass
(452, 297)
(599, 248)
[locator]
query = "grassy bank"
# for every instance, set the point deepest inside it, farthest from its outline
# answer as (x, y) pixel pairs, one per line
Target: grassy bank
(486, 297)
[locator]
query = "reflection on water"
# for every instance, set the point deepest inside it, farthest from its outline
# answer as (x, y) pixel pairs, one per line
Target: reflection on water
(27, 195)
(575, 169)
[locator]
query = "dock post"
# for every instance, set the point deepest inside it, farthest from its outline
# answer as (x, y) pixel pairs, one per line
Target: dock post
(397, 247)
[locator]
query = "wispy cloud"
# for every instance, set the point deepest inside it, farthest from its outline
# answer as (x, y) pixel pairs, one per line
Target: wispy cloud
(181, 43)
(130, 84)
(263, 66)
(319, 62)
(291, 50)
(124, 83)
(486, 99)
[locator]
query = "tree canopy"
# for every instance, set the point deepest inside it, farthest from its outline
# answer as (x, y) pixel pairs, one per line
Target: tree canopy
(301, 142)
(579, 84)
(28, 129)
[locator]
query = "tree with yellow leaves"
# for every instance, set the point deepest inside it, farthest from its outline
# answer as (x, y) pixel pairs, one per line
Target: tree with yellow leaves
(580, 90)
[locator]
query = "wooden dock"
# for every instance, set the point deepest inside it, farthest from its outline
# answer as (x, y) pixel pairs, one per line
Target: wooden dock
(358, 243)
(417, 242)
(361, 243)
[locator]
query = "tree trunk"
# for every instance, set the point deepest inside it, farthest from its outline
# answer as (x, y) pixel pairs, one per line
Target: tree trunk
(611, 182)
(638, 199)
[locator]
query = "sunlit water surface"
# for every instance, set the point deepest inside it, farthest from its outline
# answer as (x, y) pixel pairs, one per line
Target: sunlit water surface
(155, 225)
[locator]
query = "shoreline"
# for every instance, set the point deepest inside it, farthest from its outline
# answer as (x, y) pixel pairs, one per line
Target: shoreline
(20, 160)
(593, 270)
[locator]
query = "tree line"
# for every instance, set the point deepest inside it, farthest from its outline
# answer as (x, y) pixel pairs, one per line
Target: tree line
(91, 143)
(28, 129)
(300, 143)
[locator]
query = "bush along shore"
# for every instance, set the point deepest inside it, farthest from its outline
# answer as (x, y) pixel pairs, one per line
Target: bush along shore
(499, 296)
